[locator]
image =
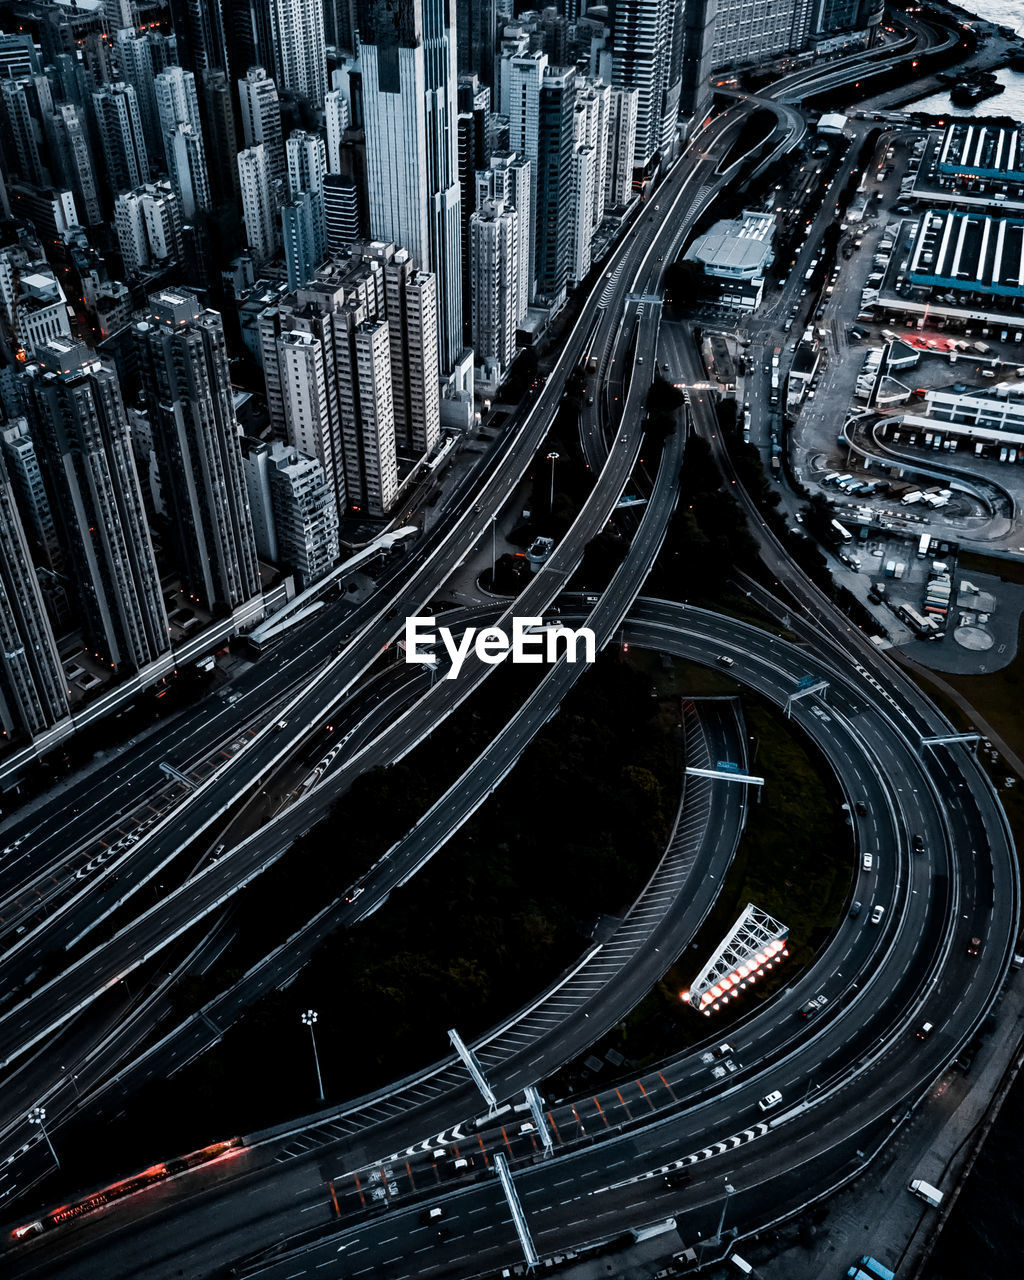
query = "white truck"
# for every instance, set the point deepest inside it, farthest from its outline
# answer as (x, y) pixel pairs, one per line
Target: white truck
(926, 1192)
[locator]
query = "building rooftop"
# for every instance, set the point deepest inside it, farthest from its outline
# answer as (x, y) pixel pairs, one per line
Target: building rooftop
(738, 248)
(982, 150)
(970, 251)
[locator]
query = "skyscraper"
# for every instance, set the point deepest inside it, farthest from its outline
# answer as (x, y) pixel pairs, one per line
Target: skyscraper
(477, 38)
(747, 30)
(187, 385)
(297, 344)
(555, 183)
(219, 135)
(342, 389)
(33, 688)
(508, 182)
(148, 223)
(410, 111)
(186, 164)
(262, 233)
(297, 520)
(72, 159)
(336, 120)
(119, 122)
(524, 74)
(367, 411)
(410, 305)
(80, 425)
(176, 102)
(299, 233)
(297, 41)
(141, 56)
(645, 56)
(341, 212)
(622, 105)
(199, 28)
(260, 112)
(306, 160)
(495, 270)
(26, 104)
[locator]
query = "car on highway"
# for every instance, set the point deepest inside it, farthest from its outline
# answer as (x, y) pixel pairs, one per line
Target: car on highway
(855, 908)
(876, 915)
(813, 1006)
(974, 947)
(770, 1100)
(281, 724)
(918, 844)
(925, 1030)
(351, 897)
(722, 1050)
(724, 660)
(677, 1178)
(867, 862)
(861, 808)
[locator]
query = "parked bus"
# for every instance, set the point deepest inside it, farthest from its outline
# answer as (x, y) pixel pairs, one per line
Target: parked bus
(841, 531)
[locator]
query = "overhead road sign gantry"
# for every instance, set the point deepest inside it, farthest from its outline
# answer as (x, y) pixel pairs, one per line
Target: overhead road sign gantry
(756, 942)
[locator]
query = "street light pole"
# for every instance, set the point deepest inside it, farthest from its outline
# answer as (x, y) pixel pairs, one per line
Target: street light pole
(494, 525)
(36, 1116)
(309, 1020)
(717, 1238)
(552, 458)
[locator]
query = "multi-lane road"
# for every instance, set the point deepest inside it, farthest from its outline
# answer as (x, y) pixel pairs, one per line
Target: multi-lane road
(856, 1065)
(627, 337)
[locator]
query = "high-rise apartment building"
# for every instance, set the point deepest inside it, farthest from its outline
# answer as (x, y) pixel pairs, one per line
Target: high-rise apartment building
(646, 37)
(477, 37)
(140, 56)
(508, 182)
(342, 224)
(148, 224)
(80, 426)
(186, 164)
(26, 476)
(260, 112)
(33, 688)
(324, 353)
(27, 103)
(199, 26)
(410, 306)
(186, 380)
(410, 111)
(590, 167)
(177, 102)
(218, 112)
(297, 40)
(494, 239)
(555, 184)
(749, 30)
(119, 122)
(297, 344)
(72, 159)
(367, 411)
(622, 105)
(295, 517)
(336, 121)
(306, 160)
(300, 226)
(524, 75)
(259, 208)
